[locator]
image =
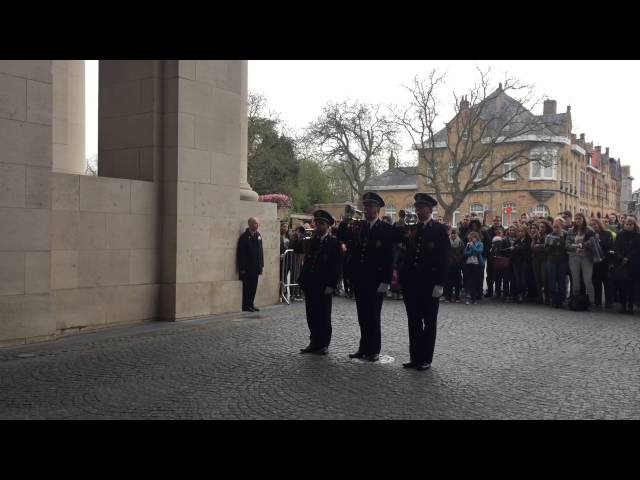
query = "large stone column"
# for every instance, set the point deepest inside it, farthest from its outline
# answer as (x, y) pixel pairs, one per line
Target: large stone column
(246, 193)
(26, 312)
(204, 216)
(68, 116)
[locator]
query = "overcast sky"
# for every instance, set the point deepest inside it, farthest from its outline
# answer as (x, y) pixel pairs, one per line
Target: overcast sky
(602, 94)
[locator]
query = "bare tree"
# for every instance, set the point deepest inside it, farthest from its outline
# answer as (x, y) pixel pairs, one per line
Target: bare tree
(353, 138)
(489, 137)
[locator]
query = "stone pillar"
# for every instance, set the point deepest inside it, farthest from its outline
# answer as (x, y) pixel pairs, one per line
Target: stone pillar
(26, 104)
(68, 117)
(128, 128)
(246, 193)
(204, 215)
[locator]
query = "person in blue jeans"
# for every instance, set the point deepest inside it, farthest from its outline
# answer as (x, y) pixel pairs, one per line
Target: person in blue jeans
(557, 264)
(473, 268)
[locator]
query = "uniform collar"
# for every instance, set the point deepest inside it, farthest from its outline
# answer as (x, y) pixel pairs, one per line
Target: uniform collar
(372, 223)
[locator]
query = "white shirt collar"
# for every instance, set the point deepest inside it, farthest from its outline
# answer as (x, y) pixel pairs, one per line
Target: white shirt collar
(324, 236)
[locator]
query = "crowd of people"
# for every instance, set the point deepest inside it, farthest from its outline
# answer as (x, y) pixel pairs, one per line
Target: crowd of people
(570, 260)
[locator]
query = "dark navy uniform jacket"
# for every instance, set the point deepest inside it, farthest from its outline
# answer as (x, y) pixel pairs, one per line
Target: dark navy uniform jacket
(321, 267)
(371, 261)
(427, 256)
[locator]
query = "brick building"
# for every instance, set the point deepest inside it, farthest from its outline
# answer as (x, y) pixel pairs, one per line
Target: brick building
(572, 174)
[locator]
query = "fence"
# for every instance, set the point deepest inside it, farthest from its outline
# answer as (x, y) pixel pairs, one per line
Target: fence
(290, 268)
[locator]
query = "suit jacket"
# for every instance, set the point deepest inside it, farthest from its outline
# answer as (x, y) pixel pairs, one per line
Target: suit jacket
(250, 256)
(321, 267)
(427, 258)
(371, 260)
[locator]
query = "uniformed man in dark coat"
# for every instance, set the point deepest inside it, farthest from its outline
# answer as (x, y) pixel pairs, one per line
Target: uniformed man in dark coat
(250, 259)
(318, 280)
(423, 276)
(371, 266)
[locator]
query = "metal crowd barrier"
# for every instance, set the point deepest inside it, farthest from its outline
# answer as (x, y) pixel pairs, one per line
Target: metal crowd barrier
(290, 268)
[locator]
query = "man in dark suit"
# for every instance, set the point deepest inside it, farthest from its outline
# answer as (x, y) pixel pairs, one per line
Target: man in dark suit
(318, 280)
(371, 266)
(423, 276)
(250, 259)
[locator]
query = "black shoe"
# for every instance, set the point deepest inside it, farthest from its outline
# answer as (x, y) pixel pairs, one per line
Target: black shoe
(255, 309)
(321, 351)
(358, 354)
(308, 349)
(409, 365)
(247, 310)
(423, 366)
(371, 358)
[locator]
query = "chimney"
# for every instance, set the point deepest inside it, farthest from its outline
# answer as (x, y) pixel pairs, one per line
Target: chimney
(392, 162)
(549, 107)
(464, 103)
(598, 148)
(606, 151)
(568, 108)
(581, 141)
(573, 139)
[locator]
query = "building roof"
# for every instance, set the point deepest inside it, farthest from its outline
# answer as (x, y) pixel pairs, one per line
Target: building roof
(506, 115)
(403, 178)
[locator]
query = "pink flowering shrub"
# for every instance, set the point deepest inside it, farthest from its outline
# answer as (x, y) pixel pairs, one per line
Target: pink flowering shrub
(283, 201)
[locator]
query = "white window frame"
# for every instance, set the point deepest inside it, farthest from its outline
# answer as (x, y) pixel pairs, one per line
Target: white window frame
(479, 173)
(450, 172)
(512, 175)
(456, 218)
(390, 210)
(410, 208)
(479, 213)
(537, 211)
(542, 151)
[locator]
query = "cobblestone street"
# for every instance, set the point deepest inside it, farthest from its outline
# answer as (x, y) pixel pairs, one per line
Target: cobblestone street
(494, 361)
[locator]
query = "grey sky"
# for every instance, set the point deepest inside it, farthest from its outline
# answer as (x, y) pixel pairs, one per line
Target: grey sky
(602, 94)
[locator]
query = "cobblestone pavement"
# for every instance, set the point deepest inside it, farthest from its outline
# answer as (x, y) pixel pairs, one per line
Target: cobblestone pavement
(493, 361)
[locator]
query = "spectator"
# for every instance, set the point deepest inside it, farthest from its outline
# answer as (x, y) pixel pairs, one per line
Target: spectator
(580, 248)
(456, 256)
(473, 268)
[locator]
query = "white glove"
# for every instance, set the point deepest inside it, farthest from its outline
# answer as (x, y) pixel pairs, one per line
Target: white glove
(383, 288)
(437, 291)
(328, 290)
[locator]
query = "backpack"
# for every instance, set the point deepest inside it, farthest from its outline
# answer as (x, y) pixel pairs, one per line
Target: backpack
(579, 303)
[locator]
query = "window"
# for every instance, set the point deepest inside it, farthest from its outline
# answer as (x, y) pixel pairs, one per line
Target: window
(477, 165)
(478, 209)
(544, 162)
(582, 184)
(410, 208)
(508, 213)
(512, 174)
(450, 172)
(456, 217)
(431, 175)
(390, 210)
(540, 211)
